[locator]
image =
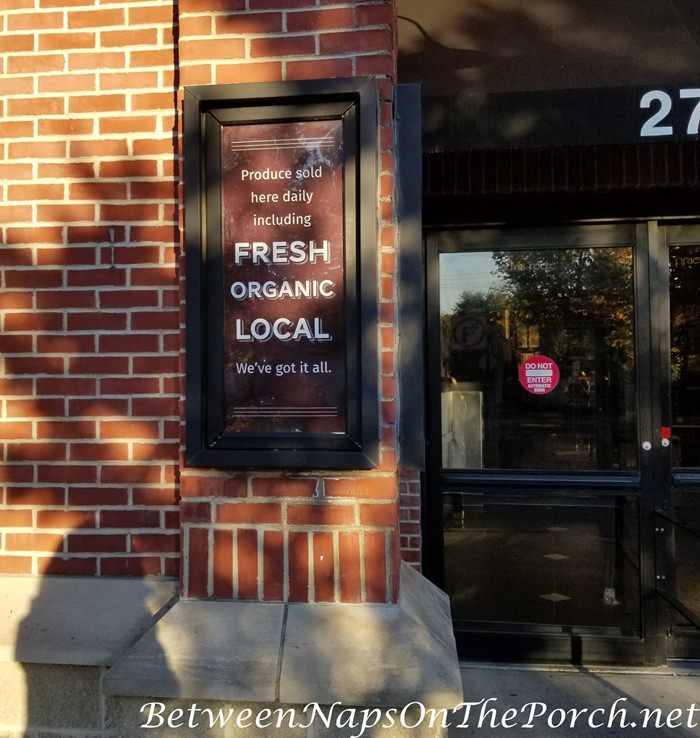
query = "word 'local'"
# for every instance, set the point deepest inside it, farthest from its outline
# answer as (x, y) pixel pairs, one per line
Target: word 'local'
(283, 329)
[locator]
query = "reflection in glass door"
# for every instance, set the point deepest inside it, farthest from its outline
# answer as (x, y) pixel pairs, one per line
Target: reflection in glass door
(684, 267)
(566, 369)
(501, 308)
(679, 512)
(539, 452)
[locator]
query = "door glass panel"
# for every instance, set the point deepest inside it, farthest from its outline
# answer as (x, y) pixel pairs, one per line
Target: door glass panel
(687, 560)
(685, 354)
(537, 361)
(543, 562)
(683, 539)
(683, 544)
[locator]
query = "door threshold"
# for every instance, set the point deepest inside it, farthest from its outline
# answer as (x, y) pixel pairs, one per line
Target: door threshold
(685, 668)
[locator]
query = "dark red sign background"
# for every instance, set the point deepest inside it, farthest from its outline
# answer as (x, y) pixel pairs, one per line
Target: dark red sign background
(283, 182)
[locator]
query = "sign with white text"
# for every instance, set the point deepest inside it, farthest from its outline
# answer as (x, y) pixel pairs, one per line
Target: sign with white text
(282, 308)
(283, 257)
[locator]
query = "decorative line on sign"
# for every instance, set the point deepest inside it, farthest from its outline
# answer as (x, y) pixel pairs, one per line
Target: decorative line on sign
(311, 412)
(285, 143)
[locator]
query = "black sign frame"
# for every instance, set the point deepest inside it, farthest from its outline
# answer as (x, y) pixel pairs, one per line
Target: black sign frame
(206, 110)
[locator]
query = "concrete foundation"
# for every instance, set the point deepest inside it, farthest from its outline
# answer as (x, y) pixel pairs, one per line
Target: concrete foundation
(89, 658)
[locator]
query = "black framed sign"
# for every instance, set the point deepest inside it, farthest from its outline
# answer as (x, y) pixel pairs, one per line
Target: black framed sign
(280, 234)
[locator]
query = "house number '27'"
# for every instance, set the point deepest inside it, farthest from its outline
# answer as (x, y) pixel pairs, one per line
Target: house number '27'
(665, 102)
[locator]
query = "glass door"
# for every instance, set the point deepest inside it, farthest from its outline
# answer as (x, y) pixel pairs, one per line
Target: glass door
(547, 448)
(678, 505)
(538, 359)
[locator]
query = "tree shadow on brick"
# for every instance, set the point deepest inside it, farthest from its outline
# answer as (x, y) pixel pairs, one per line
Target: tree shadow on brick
(92, 480)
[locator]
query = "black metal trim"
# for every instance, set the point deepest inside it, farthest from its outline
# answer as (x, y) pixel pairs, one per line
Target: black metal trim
(552, 238)
(686, 478)
(433, 558)
(411, 270)
(570, 648)
(514, 481)
(646, 331)
(206, 110)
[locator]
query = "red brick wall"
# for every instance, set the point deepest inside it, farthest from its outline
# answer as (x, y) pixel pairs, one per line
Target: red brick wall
(314, 537)
(92, 334)
(89, 382)
(410, 517)
(320, 537)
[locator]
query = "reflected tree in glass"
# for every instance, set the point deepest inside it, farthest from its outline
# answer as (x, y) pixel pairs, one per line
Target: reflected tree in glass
(574, 305)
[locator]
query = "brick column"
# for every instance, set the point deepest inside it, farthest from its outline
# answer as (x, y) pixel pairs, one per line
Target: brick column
(317, 536)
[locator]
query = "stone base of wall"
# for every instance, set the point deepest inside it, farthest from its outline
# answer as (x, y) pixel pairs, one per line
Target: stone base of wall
(219, 668)
(58, 637)
(51, 700)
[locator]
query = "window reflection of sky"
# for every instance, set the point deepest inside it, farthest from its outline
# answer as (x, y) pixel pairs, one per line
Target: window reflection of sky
(462, 271)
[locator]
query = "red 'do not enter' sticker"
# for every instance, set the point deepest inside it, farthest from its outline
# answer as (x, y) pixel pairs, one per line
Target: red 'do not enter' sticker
(538, 374)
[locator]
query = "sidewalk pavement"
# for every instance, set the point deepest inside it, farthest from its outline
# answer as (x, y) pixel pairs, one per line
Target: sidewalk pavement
(584, 702)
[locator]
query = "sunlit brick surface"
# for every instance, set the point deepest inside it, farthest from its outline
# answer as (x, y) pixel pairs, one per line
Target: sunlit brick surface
(91, 383)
